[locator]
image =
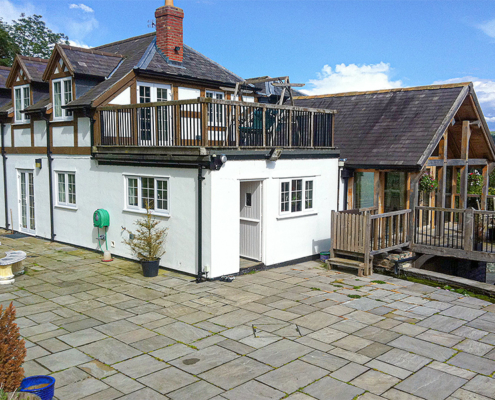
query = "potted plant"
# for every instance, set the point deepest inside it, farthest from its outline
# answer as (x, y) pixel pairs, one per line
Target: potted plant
(147, 243)
(12, 354)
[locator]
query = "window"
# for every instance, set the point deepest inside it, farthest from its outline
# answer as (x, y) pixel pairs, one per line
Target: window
(62, 95)
(66, 189)
(296, 195)
(22, 99)
(147, 192)
(153, 125)
(364, 189)
(249, 199)
(215, 111)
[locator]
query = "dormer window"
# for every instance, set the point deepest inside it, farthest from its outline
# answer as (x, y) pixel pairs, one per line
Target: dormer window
(22, 99)
(62, 95)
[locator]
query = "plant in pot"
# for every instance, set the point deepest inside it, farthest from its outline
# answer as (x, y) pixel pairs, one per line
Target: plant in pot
(12, 354)
(147, 243)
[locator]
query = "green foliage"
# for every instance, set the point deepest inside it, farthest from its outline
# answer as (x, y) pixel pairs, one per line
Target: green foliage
(427, 184)
(28, 36)
(8, 47)
(149, 240)
(354, 296)
(379, 282)
(12, 351)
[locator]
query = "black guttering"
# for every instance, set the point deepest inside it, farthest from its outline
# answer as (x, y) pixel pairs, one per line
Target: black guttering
(4, 159)
(50, 171)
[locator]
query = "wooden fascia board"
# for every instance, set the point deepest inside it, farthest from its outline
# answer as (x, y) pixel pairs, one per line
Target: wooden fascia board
(18, 64)
(114, 89)
(486, 131)
(444, 125)
(58, 50)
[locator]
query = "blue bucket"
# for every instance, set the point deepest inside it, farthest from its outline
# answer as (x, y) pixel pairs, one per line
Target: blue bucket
(45, 393)
(324, 255)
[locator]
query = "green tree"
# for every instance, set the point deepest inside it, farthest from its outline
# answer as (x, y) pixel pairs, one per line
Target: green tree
(8, 48)
(32, 37)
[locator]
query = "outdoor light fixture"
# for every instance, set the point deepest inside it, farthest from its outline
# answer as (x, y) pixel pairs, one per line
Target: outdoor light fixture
(37, 163)
(217, 161)
(274, 154)
(342, 161)
(177, 49)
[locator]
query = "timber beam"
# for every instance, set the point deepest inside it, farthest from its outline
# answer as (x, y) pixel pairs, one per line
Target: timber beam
(457, 162)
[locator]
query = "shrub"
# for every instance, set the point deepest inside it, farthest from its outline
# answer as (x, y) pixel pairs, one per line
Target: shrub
(12, 351)
(148, 241)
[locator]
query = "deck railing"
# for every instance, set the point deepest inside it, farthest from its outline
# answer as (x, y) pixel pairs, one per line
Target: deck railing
(213, 123)
(389, 231)
(469, 230)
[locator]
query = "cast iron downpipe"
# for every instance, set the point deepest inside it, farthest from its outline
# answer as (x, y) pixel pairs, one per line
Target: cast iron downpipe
(4, 157)
(50, 178)
(200, 224)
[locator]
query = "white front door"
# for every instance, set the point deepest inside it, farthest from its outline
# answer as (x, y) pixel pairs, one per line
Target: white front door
(26, 202)
(250, 215)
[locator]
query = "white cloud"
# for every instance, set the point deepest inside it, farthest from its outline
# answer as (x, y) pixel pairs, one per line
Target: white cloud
(10, 11)
(83, 22)
(83, 7)
(488, 28)
(75, 43)
(485, 91)
(352, 77)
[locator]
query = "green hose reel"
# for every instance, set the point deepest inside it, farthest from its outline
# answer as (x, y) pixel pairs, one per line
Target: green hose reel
(101, 218)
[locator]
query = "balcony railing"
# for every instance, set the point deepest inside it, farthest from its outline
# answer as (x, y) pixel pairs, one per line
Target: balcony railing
(210, 122)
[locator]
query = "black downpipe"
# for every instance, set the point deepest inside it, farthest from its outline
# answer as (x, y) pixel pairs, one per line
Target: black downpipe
(4, 159)
(50, 177)
(199, 278)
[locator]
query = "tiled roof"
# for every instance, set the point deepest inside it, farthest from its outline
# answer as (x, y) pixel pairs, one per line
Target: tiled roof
(91, 62)
(4, 73)
(389, 127)
(35, 67)
(38, 105)
(140, 53)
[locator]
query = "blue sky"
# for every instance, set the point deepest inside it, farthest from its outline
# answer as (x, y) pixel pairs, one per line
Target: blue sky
(332, 46)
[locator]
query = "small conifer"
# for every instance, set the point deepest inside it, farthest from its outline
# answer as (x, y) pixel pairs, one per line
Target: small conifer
(12, 351)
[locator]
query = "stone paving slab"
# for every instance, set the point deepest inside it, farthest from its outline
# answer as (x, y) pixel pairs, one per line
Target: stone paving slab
(106, 332)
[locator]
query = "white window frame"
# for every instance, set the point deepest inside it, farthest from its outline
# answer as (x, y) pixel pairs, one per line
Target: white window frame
(24, 118)
(139, 208)
(216, 115)
(66, 115)
(304, 198)
(66, 203)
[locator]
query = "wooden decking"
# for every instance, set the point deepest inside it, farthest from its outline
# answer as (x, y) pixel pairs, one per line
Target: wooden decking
(467, 234)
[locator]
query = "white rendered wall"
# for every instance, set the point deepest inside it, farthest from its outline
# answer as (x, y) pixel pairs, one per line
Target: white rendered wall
(22, 137)
(63, 136)
(283, 238)
(122, 98)
(104, 187)
(7, 135)
(83, 132)
(39, 133)
(188, 93)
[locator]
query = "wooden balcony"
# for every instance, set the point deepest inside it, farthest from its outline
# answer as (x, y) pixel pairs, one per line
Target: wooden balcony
(212, 123)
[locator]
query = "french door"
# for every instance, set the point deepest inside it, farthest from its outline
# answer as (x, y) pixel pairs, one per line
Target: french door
(154, 122)
(27, 219)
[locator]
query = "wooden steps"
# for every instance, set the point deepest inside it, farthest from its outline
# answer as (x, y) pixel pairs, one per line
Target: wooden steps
(344, 262)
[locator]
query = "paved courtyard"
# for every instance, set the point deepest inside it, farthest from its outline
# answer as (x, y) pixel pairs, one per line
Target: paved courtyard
(299, 332)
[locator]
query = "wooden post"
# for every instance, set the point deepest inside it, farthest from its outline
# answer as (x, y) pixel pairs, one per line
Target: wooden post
(468, 229)
(466, 135)
(237, 123)
(204, 124)
(312, 128)
(135, 126)
(377, 190)
(367, 244)
(290, 127)
(484, 190)
(413, 198)
(442, 181)
(381, 198)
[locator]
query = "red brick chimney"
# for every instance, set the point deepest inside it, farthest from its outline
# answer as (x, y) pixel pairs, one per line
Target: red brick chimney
(169, 37)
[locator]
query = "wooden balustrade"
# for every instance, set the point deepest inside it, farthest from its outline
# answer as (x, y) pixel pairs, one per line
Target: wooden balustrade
(213, 123)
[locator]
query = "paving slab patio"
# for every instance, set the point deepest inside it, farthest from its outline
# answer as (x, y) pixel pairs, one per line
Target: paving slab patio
(105, 332)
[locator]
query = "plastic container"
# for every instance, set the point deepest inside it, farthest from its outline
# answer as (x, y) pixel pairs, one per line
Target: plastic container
(324, 255)
(150, 268)
(45, 393)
